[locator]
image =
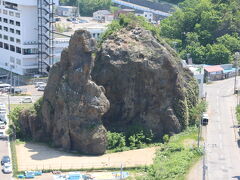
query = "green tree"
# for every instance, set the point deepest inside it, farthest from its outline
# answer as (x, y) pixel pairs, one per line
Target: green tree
(218, 54)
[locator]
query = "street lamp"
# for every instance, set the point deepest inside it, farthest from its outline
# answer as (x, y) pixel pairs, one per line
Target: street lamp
(236, 57)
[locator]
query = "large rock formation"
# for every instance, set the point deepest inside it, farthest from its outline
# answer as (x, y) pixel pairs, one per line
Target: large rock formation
(72, 103)
(145, 83)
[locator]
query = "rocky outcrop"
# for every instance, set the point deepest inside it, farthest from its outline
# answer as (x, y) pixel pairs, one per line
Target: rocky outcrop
(145, 83)
(73, 104)
(141, 77)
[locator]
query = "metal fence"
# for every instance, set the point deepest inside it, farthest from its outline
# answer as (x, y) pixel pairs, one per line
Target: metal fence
(77, 165)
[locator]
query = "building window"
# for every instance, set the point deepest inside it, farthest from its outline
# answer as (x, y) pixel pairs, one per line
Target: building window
(18, 50)
(12, 39)
(6, 46)
(17, 23)
(17, 15)
(0, 27)
(12, 59)
(11, 22)
(12, 48)
(0, 36)
(11, 30)
(5, 11)
(0, 19)
(18, 61)
(18, 41)
(10, 5)
(1, 45)
(5, 20)
(5, 29)
(5, 37)
(11, 13)
(18, 32)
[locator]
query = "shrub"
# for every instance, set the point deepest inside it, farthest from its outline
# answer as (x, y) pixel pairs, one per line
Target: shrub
(115, 140)
(196, 112)
(166, 138)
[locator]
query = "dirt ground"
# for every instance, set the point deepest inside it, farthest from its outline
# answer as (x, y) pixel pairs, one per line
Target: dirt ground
(33, 156)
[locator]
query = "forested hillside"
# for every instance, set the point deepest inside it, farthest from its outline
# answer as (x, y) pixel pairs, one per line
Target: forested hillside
(207, 30)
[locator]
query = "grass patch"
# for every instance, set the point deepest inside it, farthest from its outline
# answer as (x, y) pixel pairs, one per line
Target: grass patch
(238, 114)
(22, 106)
(14, 157)
(174, 159)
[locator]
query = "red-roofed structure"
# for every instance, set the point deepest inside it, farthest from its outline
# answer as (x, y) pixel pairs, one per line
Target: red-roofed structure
(211, 69)
(213, 72)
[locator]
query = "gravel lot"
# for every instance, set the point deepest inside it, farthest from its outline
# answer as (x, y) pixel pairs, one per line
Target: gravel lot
(33, 156)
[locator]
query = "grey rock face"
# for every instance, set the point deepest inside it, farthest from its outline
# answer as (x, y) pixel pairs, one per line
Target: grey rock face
(73, 104)
(145, 83)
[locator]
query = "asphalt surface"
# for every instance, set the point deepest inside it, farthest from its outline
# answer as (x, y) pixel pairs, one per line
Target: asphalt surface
(14, 100)
(4, 152)
(221, 135)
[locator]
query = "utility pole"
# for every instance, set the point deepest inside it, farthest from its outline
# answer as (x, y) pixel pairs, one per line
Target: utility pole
(204, 162)
(9, 108)
(236, 56)
(199, 131)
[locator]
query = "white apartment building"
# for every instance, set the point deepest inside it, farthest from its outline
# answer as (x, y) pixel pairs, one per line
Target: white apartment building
(19, 36)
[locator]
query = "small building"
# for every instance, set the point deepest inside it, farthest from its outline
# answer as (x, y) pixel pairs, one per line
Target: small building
(123, 11)
(228, 71)
(213, 73)
(103, 16)
(66, 11)
(148, 15)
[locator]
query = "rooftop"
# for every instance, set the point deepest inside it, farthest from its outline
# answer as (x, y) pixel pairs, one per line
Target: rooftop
(105, 12)
(215, 68)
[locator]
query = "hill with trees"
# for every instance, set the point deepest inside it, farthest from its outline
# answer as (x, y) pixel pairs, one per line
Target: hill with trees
(206, 30)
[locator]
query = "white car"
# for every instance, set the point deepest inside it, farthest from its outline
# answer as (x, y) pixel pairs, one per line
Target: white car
(41, 88)
(7, 168)
(37, 84)
(27, 100)
(2, 125)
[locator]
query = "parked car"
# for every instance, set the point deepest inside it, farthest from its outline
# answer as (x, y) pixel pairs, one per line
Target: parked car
(205, 119)
(5, 159)
(37, 84)
(27, 100)
(1, 135)
(41, 88)
(2, 125)
(7, 168)
(57, 19)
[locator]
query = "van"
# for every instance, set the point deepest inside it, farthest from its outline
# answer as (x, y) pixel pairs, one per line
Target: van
(205, 119)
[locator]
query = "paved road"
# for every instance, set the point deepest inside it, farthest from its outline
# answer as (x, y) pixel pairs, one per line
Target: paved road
(222, 149)
(17, 99)
(4, 152)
